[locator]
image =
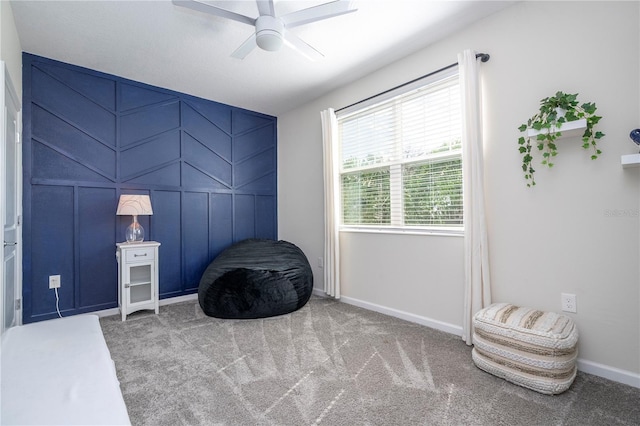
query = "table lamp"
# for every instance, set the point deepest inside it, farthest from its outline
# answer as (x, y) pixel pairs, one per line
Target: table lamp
(134, 205)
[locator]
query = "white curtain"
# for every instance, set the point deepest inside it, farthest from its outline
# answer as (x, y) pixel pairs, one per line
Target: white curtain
(331, 203)
(477, 293)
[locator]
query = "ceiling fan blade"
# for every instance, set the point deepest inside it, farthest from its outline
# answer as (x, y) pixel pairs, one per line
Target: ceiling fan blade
(265, 7)
(318, 13)
(214, 10)
(245, 48)
(302, 47)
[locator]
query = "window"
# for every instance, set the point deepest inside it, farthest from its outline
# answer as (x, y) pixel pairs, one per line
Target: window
(401, 160)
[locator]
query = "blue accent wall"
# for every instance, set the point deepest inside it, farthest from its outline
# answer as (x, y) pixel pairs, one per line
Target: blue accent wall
(209, 168)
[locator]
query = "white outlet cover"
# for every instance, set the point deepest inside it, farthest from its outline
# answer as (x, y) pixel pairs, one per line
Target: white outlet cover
(568, 302)
(54, 281)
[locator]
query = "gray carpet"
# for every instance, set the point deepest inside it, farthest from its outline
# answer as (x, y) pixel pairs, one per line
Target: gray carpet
(331, 364)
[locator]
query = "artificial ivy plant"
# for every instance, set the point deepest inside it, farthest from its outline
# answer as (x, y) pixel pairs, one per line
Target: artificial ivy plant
(554, 111)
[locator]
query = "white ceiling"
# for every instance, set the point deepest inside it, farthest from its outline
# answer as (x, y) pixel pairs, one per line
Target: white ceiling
(161, 44)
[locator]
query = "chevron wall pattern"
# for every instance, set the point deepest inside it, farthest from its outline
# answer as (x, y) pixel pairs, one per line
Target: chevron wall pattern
(209, 168)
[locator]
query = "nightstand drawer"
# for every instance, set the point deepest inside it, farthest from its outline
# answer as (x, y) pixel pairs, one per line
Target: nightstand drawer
(138, 255)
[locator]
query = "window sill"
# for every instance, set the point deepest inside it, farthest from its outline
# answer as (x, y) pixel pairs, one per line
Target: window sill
(403, 231)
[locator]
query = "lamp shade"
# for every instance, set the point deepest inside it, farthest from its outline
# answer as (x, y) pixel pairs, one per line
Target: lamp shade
(134, 205)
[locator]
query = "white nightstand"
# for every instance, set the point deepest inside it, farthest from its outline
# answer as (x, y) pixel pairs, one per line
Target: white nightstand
(137, 276)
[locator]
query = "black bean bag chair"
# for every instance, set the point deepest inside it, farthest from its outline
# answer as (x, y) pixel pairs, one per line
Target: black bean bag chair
(256, 278)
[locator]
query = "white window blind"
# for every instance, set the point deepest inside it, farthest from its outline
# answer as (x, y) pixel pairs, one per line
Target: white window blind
(401, 160)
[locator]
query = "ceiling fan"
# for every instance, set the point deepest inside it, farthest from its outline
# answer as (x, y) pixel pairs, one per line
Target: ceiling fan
(271, 31)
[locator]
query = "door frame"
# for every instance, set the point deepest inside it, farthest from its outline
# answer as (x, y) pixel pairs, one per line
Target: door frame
(9, 95)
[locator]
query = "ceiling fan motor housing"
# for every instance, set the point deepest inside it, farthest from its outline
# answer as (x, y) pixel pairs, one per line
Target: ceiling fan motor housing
(269, 32)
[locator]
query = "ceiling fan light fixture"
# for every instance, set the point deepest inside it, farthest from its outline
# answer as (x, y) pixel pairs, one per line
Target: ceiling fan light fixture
(269, 31)
(269, 40)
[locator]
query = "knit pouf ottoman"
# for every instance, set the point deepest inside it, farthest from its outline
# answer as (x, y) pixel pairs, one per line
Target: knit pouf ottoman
(531, 348)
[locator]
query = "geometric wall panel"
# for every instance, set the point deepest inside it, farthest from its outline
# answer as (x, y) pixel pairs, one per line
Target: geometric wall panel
(54, 165)
(251, 143)
(199, 179)
(100, 90)
(96, 262)
(207, 133)
(148, 122)
(166, 225)
(196, 242)
(64, 137)
(135, 96)
(209, 168)
(49, 249)
(254, 167)
(80, 111)
(153, 153)
(243, 122)
(218, 114)
(168, 175)
(206, 160)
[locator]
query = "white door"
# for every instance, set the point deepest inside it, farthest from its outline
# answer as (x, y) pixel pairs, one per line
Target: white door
(10, 205)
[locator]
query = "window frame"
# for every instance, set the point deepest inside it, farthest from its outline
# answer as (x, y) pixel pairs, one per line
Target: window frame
(396, 226)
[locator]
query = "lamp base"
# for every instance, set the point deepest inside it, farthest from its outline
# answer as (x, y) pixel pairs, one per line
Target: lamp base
(134, 232)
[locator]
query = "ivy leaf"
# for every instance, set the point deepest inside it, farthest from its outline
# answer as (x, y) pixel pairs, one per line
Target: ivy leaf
(593, 157)
(585, 145)
(598, 135)
(546, 155)
(522, 149)
(540, 146)
(522, 128)
(589, 107)
(521, 140)
(550, 164)
(571, 116)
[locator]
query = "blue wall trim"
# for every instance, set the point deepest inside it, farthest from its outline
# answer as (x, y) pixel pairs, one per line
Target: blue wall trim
(209, 168)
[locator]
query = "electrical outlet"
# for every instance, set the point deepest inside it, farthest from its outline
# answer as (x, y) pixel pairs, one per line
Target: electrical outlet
(54, 281)
(320, 262)
(569, 302)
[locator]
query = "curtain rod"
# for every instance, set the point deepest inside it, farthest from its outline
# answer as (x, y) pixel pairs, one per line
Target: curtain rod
(484, 57)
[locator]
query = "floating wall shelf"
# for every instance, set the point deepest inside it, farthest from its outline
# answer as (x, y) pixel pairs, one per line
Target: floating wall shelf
(631, 160)
(569, 129)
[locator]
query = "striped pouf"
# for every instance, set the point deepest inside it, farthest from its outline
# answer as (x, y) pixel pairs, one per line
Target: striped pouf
(531, 348)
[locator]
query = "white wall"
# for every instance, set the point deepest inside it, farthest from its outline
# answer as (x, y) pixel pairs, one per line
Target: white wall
(10, 50)
(577, 231)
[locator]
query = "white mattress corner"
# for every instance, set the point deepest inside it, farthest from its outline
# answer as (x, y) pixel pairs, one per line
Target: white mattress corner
(60, 371)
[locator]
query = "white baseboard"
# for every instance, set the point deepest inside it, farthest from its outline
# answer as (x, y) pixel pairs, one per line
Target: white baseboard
(178, 299)
(319, 292)
(418, 319)
(611, 373)
(163, 302)
(590, 367)
(106, 312)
